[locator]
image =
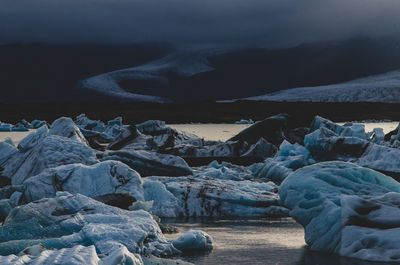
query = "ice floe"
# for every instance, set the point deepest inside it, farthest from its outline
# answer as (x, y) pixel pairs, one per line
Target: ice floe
(345, 209)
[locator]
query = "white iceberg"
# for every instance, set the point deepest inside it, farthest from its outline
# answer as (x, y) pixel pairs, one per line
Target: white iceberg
(40, 153)
(69, 220)
(345, 209)
(193, 240)
(67, 128)
(206, 196)
(100, 179)
(150, 163)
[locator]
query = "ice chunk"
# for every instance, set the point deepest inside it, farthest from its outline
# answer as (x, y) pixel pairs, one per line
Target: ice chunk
(206, 196)
(84, 122)
(317, 196)
(66, 127)
(116, 121)
(153, 127)
(35, 124)
(33, 138)
(150, 163)
(193, 240)
(261, 149)
(121, 256)
(100, 179)
(69, 220)
(378, 135)
(320, 122)
(6, 150)
(242, 121)
(77, 255)
(271, 129)
(52, 151)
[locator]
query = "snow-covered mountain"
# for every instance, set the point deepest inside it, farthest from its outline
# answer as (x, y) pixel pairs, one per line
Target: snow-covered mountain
(377, 88)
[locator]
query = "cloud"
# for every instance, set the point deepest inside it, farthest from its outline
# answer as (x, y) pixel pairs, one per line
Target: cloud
(253, 22)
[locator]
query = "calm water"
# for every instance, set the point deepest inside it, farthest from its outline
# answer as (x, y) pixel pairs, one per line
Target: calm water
(223, 132)
(217, 132)
(256, 241)
(15, 136)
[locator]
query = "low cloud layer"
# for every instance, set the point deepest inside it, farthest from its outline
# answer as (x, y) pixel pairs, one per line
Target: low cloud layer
(269, 23)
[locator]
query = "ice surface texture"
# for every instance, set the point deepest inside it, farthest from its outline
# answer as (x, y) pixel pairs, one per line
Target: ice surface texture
(339, 204)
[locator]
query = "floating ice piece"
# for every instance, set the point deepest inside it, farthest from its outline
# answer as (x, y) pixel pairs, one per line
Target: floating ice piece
(35, 124)
(153, 127)
(99, 179)
(66, 127)
(69, 220)
(381, 158)
(150, 163)
(289, 157)
(271, 129)
(6, 150)
(19, 128)
(130, 139)
(227, 149)
(224, 170)
(250, 121)
(320, 122)
(37, 154)
(378, 135)
(115, 121)
(324, 145)
(5, 127)
(206, 196)
(84, 122)
(342, 209)
(193, 240)
(77, 255)
(261, 149)
(121, 256)
(33, 138)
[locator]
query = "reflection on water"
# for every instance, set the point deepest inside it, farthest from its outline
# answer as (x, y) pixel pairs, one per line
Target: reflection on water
(256, 241)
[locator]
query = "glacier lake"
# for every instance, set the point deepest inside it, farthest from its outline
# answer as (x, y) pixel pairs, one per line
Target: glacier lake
(246, 240)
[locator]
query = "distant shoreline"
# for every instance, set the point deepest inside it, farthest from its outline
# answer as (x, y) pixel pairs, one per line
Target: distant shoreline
(200, 112)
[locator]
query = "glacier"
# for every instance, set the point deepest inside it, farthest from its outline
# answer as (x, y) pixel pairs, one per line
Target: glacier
(379, 88)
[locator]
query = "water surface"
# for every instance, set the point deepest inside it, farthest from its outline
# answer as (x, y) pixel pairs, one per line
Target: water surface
(256, 241)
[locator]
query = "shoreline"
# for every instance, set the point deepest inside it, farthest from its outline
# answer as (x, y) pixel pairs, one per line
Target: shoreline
(200, 112)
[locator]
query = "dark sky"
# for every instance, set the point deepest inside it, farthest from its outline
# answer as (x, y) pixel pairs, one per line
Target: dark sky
(255, 22)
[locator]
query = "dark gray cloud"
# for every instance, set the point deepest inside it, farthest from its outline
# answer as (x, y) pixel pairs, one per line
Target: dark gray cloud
(258, 22)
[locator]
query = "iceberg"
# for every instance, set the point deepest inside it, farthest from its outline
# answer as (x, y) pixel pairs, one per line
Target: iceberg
(67, 128)
(77, 255)
(69, 220)
(150, 163)
(37, 152)
(193, 240)
(103, 178)
(271, 129)
(206, 196)
(345, 209)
